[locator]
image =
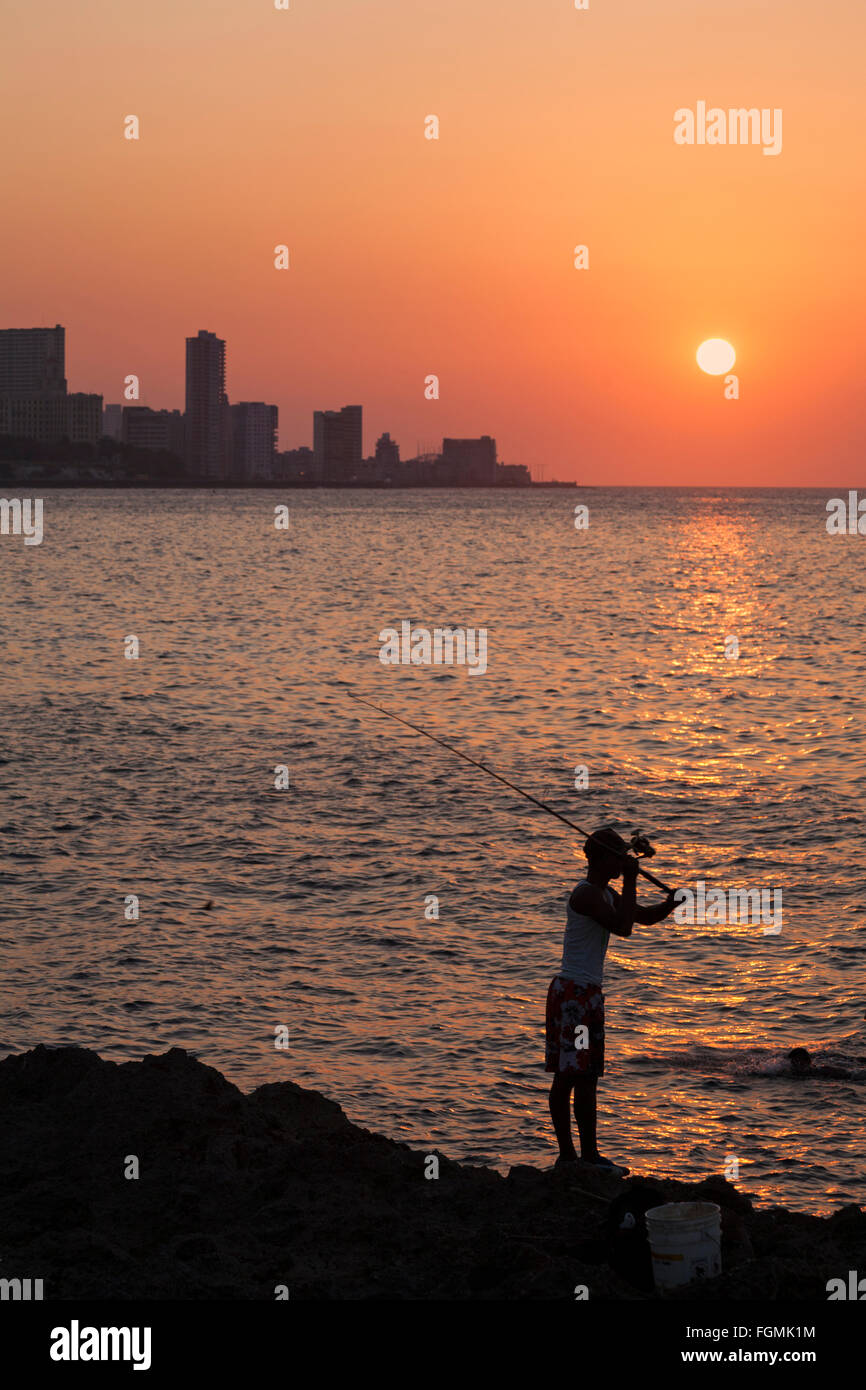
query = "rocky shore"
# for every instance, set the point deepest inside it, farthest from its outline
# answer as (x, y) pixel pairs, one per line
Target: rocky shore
(237, 1195)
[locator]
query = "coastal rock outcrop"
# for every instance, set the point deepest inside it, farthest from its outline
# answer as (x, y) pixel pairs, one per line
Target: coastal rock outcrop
(238, 1195)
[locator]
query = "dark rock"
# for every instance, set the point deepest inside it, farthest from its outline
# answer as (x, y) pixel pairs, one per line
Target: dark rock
(523, 1173)
(237, 1194)
(628, 1243)
(194, 1247)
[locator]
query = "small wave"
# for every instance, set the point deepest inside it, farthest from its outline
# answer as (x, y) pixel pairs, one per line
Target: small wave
(825, 1065)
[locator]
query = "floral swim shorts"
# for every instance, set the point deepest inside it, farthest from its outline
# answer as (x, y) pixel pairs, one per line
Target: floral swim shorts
(574, 1028)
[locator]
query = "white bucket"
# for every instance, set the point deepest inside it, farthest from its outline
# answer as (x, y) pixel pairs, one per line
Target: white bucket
(685, 1240)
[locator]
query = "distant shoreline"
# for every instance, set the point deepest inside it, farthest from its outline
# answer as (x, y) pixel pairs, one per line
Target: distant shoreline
(212, 485)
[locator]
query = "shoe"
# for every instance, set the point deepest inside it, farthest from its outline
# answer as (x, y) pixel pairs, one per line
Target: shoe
(606, 1165)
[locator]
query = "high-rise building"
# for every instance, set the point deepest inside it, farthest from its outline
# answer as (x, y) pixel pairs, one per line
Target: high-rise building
(387, 454)
(38, 415)
(33, 383)
(469, 461)
(32, 360)
(112, 421)
(254, 440)
(208, 423)
(144, 428)
(338, 443)
(83, 417)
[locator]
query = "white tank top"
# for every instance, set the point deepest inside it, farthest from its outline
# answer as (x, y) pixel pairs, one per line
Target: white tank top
(584, 946)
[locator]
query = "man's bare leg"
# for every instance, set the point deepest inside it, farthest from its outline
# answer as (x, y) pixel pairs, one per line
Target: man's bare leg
(560, 1113)
(586, 1115)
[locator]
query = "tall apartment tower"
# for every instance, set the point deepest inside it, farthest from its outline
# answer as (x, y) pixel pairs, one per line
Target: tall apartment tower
(337, 443)
(33, 401)
(208, 423)
(32, 360)
(254, 441)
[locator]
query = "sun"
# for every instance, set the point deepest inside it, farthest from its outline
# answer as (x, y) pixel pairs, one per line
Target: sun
(716, 356)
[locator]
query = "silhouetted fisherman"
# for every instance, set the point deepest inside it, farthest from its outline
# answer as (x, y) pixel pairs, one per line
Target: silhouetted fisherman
(575, 1000)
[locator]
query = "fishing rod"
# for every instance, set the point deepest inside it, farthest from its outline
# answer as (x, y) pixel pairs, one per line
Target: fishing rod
(639, 845)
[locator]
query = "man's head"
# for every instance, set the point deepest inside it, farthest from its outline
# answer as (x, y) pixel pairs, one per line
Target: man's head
(799, 1059)
(603, 850)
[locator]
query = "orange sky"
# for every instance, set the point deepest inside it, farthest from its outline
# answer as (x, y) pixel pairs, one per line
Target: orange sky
(454, 257)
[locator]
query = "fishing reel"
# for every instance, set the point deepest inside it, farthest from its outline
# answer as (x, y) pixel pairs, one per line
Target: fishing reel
(640, 846)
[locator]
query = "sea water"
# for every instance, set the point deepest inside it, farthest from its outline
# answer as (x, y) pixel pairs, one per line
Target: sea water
(284, 930)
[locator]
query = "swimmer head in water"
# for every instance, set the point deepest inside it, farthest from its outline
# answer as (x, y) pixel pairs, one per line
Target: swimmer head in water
(800, 1061)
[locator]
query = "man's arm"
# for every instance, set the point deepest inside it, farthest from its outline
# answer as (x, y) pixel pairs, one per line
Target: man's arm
(591, 901)
(648, 916)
